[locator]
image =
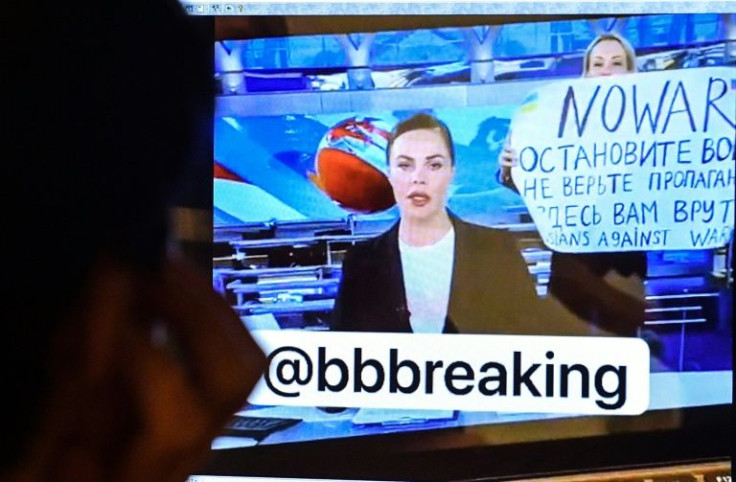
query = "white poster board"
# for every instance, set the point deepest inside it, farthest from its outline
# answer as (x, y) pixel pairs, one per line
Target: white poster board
(632, 162)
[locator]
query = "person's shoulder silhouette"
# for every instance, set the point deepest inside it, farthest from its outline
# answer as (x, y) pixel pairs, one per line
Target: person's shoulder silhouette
(103, 103)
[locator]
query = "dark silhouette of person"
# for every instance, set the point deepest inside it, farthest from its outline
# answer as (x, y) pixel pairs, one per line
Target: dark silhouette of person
(119, 362)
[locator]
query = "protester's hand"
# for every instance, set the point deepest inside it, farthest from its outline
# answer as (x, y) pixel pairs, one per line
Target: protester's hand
(506, 160)
(147, 373)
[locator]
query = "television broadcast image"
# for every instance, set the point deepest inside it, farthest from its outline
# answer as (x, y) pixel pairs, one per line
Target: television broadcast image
(569, 177)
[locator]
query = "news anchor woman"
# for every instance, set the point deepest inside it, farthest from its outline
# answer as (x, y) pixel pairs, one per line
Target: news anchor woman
(432, 272)
(581, 281)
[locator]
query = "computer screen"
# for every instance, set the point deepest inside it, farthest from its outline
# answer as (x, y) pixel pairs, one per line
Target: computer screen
(566, 176)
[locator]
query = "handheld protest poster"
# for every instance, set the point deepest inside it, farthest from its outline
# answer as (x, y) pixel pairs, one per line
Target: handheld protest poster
(634, 162)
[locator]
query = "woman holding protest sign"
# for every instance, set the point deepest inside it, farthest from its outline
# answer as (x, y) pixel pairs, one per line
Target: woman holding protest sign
(604, 289)
(608, 54)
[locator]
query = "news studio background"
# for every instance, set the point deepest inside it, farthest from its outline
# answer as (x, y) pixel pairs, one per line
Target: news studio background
(294, 116)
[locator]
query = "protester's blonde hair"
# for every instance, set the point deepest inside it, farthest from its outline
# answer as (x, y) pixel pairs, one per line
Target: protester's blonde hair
(630, 53)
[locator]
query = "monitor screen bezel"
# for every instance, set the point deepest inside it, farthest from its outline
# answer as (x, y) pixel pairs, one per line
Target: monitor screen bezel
(446, 454)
